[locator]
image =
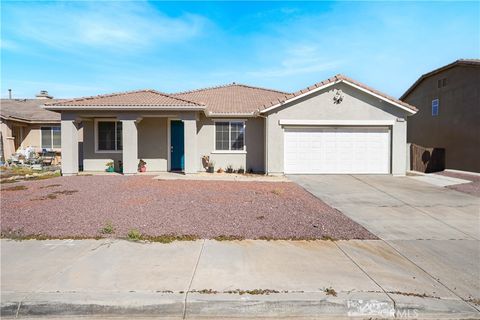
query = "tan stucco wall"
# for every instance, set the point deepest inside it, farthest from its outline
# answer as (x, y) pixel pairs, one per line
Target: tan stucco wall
(356, 105)
(252, 159)
(152, 143)
(457, 126)
(31, 135)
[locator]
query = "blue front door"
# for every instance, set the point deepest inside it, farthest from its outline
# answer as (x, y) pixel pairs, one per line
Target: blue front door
(177, 153)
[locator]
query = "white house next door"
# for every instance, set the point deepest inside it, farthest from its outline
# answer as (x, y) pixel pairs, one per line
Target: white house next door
(337, 150)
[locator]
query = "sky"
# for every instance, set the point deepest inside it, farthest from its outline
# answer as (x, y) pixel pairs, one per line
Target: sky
(84, 48)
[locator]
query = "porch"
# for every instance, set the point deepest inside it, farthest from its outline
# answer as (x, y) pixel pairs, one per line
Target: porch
(166, 142)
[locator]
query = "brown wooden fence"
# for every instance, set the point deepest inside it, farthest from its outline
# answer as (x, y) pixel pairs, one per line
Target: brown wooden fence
(427, 159)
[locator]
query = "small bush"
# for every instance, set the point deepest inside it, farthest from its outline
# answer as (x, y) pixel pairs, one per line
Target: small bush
(16, 188)
(277, 192)
(108, 228)
(134, 235)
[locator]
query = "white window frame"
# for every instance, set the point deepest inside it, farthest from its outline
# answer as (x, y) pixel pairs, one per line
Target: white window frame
(51, 136)
(96, 135)
(438, 107)
(230, 121)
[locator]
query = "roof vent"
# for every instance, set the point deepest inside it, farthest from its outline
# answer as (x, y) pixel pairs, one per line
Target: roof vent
(43, 95)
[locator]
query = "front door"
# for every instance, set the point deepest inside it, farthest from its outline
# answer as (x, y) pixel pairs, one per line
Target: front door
(177, 153)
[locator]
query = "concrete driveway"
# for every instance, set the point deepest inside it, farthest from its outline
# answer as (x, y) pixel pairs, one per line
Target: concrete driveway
(437, 229)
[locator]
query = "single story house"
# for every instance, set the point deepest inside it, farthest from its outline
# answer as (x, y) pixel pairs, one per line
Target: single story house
(335, 126)
(25, 123)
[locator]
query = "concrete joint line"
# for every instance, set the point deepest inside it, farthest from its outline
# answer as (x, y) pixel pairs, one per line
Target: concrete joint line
(408, 205)
(191, 281)
(429, 275)
(365, 272)
(57, 274)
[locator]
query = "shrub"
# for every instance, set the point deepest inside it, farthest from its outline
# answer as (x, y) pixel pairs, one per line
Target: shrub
(134, 235)
(108, 228)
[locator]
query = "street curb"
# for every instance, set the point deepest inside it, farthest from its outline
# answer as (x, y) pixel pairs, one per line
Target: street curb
(303, 305)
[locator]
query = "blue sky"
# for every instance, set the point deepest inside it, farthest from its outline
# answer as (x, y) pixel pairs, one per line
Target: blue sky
(85, 48)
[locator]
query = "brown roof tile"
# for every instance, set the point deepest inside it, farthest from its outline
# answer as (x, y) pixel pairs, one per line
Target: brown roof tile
(146, 98)
(232, 98)
(27, 110)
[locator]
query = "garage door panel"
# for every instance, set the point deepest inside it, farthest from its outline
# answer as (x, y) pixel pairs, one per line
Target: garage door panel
(337, 150)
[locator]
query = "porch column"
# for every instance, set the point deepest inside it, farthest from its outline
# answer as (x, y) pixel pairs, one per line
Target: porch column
(69, 143)
(190, 136)
(130, 146)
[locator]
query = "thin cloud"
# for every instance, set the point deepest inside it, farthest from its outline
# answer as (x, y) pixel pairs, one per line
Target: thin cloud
(302, 59)
(104, 25)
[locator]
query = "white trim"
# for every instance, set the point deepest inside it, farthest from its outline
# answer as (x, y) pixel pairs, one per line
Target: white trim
(95, 130)
(286, 122)
(229, 152)
(51, 136)
(333, 83)
(169, 148)
(229, 136)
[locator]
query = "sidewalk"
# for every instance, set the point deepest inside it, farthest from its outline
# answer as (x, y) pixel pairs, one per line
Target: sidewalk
(222, 279)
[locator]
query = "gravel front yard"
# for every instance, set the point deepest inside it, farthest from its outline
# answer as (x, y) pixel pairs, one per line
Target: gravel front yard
(472, 188)
(81, 206)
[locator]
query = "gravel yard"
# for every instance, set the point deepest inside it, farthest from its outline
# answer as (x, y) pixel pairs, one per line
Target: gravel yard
(81, 206)
(472, 188)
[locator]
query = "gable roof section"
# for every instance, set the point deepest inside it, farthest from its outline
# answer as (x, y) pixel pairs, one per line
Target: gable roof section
(334, 80)
(141, 99)
(232, 99)
(465, 62)
(27, 111)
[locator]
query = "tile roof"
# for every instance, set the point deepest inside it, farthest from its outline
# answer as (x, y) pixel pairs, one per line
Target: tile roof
(465, 62)
(27, 110)
(139, 98)
(232, 98)
(337, 78)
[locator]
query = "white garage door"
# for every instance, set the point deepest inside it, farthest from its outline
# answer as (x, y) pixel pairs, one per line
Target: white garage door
(337, 150)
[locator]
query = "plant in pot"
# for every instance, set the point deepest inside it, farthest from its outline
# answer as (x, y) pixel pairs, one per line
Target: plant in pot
(110, 166)
(211, 167)
(241, 170)
(208, 164)
(230, 169)
(142, 166)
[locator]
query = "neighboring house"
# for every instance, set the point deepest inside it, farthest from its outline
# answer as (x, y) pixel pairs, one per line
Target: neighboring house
(448, 100)
(25, 123)
(335, 126)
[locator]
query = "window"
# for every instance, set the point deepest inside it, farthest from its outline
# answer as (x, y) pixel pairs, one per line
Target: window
(230, 136)
(109, 136)
(435, 105)
(51, 137)
(442, 83)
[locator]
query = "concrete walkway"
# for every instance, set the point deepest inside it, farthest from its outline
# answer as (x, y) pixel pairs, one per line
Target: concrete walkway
(203, 176)
(245, 279)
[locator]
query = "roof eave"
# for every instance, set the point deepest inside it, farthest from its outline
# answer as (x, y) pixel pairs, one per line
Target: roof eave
(122, 108)
(338, 80)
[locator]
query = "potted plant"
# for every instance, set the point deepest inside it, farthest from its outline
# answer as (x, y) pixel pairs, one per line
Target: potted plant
(142, 166)
(211, 167)
(208, 164)
(241, 170)
(220, 170)
(230, 169)
(110, 166)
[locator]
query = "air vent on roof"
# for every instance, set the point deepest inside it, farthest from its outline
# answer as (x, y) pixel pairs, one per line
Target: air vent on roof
(43, 95)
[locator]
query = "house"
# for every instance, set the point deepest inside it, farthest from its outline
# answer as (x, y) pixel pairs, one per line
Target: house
(336, 126)
(24, 123)
(448, 100)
